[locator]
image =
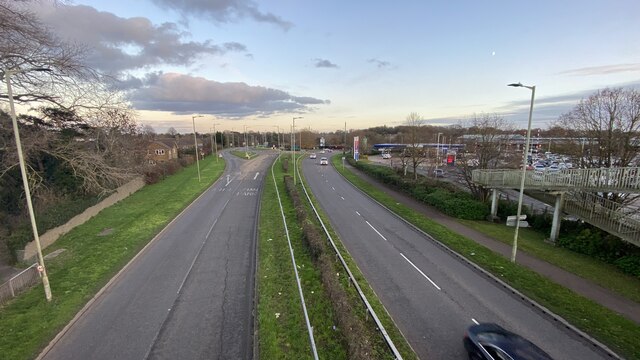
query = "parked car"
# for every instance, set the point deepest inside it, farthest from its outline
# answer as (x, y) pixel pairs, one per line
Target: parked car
(324, 161)
(438, 173)
(491, 341)
(386, 156)
(312, 156)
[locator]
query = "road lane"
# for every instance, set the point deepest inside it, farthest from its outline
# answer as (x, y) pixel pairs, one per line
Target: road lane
(190, 294)
(433, 319)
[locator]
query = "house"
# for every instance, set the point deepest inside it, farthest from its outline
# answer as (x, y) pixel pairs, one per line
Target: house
(162, 150)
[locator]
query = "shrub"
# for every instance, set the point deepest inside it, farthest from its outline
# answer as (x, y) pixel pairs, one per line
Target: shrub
(152, 175)
(629, 264)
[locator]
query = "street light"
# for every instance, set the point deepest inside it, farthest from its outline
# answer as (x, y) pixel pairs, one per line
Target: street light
(438, 151)
(524, 170)
(215, 140)
(277, 126)
(25, 181)
(195, 141)
(246, 143)
(293, 147)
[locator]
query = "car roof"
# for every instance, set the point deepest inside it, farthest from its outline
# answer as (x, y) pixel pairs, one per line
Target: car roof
(515, 345)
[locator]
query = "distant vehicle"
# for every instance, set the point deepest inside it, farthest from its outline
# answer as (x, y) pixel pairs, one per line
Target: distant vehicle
(312, 156)
(490, 342)
(322, 152)
(386, 156)
(324, 161)
(438, 173)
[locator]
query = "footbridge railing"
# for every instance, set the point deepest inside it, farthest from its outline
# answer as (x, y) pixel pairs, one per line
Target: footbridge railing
(622, 221)
(597, 180)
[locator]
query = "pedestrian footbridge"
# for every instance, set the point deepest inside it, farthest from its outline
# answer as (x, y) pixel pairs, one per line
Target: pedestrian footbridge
(575, 190)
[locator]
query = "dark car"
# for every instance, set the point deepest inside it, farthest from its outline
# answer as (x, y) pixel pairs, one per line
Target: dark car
(492, 342)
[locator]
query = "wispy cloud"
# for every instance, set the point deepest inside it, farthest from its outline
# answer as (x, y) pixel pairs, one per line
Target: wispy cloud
(323, 63)
(603, 70)
(379, 63)
(223, 11)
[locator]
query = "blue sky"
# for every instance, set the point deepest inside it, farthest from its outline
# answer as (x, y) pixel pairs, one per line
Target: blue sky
(366, 63)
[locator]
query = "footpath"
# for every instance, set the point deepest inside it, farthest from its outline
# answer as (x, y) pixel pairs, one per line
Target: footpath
(605, 297)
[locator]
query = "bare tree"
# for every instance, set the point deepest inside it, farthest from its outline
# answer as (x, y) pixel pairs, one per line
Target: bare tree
(414, 154)
(486, 147)
(172, 132)
(26, 45)
(607, 124)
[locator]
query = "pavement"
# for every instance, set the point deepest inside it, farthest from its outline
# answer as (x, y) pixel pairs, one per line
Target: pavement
(586, 288)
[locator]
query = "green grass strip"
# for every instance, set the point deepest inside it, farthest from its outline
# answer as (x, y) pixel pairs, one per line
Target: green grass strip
(28, 323)
(282, 332)
(612, 329)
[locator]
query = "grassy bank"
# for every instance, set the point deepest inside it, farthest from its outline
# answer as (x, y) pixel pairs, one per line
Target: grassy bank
(532, 242)
(610, 328)
(28, 323)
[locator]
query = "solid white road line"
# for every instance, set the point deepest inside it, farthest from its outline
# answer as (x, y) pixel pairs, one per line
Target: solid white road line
(420, 271)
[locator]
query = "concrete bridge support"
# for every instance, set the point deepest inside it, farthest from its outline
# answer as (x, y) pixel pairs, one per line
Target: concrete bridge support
(493, 217)
(557, 213)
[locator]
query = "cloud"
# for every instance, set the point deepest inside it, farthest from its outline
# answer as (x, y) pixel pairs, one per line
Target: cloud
(379, 63)
(602, 70)
(322, 63)
(223, 11)
(185, 94)
(120, 44)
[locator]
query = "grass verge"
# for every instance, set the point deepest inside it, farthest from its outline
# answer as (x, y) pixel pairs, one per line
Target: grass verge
(28, 323)
(282, 333)
(617, 332)
(532, 242)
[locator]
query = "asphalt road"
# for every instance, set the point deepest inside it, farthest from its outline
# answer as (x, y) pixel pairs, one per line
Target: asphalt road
(190, 293)
(431, 294)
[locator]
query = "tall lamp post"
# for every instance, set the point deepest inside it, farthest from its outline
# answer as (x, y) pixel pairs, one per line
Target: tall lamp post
(293, 147)
(438, 151)
(524, 170)
(278, 126)
(215, 140)
(246, 143)
(25, 181)
(195, 141)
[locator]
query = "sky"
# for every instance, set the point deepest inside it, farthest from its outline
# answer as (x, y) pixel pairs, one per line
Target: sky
(370, 63)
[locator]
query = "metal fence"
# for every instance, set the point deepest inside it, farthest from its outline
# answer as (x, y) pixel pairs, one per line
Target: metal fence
(20, 282)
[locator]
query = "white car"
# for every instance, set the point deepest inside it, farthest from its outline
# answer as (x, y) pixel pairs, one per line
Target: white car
(386, 156)
(324, 161)
(312, 156)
